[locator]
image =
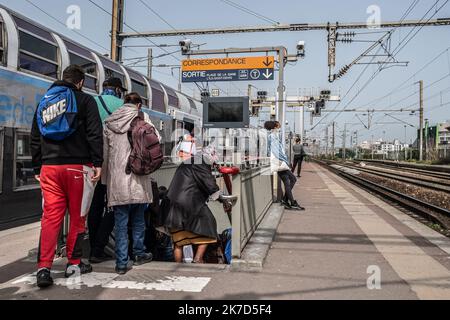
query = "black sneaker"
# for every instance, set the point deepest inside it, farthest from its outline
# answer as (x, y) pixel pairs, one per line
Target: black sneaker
(146, 258)
(284, 203)
(44, 278)
(81, 268)
(121, 271)
(296, 206)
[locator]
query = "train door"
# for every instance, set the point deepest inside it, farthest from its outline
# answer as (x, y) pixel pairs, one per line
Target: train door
(188, 125)
(24, 173)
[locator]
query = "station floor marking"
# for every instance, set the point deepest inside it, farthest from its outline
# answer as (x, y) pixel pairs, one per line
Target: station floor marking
(114, 281)
(426, 276)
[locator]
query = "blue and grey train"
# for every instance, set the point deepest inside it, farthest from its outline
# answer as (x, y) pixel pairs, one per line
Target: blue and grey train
(31, 58)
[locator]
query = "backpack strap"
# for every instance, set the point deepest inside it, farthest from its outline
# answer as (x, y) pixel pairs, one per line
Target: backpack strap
(104, 105)
(130, 139)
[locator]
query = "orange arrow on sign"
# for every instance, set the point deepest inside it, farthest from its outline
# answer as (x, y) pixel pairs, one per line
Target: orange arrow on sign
(268, 61)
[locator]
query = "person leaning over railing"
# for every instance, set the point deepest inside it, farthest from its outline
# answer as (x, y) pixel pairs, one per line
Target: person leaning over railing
(189, 219)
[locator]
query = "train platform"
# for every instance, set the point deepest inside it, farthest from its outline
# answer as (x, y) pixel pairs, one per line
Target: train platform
(348, 244)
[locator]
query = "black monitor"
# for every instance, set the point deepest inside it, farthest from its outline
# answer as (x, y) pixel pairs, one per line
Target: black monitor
(226, 112)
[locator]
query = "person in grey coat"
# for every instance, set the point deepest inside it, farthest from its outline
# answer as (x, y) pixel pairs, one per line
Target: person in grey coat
(299, 155)
(128, 194)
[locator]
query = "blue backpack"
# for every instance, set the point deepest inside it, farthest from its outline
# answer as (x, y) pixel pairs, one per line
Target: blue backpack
(57, 113)
(226, 243)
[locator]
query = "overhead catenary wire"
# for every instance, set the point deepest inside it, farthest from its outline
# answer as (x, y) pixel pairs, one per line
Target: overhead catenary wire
(134, 29)
(417, 92)
(167, 53)
(401, 87)
(145, 4)
(249, 11)
(62, 23)
(380, 68)
(408, 10)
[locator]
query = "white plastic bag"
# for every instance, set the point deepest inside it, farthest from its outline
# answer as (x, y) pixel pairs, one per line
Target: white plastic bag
(188, 254)
(277, 165)
(88, 190)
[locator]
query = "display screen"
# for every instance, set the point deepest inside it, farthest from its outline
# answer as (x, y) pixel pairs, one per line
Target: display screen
(225, 112)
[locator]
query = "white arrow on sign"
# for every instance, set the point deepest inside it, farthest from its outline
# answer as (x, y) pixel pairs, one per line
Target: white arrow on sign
(267, 75)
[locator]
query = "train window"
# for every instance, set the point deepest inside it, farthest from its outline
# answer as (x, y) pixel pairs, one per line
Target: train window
(31, 63)
(37, 55)
(37, 46)
(141, 89)
(173, 98)
(24, 176)
(89, 67)
(2, 131)
(113, 74)
(157, 97)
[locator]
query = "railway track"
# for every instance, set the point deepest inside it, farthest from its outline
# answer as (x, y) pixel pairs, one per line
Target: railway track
(428, 170)
(435, 183)
(424, 209)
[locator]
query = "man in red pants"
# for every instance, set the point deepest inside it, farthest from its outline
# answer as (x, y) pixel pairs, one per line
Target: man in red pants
(67, 150)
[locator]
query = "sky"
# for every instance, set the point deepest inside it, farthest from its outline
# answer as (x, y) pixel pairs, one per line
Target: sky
(396, 86)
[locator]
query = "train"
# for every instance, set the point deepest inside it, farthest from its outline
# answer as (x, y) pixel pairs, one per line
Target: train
(32, 57)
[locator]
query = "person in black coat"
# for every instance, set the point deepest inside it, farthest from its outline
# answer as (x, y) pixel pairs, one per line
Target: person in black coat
(189, 219)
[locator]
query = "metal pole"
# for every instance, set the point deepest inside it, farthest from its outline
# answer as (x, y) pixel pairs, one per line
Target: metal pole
(332, 37)
(117, 29)
(302, 124)
(179, 79)
(281, 110)
(421, 122)
(150, 63)
(280, 115)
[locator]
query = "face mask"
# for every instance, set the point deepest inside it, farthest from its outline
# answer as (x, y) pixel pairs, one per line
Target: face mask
(110, 92)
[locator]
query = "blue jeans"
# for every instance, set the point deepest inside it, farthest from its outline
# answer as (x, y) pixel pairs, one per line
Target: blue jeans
(121, 215)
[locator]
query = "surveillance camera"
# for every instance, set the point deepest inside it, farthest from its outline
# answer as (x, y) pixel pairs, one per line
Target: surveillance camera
(185, 43)
(301, 49)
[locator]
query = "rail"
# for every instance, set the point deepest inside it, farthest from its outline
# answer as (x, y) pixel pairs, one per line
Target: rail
(442, 184)
(426, 167)
(427, 210)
